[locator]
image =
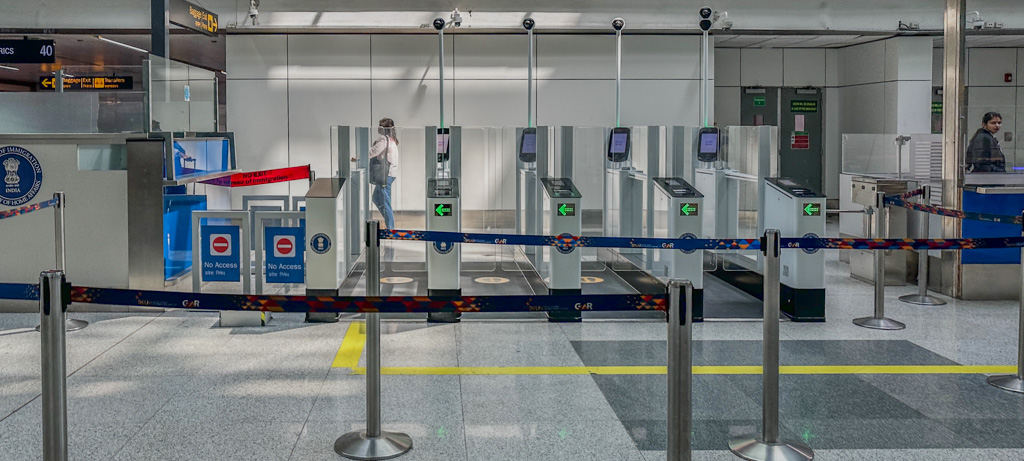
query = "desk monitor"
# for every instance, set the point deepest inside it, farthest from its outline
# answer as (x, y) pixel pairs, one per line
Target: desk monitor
(528, 145)
(618, 145)
(443, 135)
(708, 144)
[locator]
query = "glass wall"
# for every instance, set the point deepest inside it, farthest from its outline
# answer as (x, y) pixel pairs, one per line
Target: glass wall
(183, 97)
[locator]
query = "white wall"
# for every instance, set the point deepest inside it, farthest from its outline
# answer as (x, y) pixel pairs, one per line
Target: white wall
(286, 91)
(879, 87)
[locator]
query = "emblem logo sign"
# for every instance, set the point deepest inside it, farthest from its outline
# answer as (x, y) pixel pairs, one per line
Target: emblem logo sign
(320, 243)
(23, 176)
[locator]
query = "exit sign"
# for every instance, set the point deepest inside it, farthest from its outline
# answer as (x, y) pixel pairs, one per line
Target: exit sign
(443, 209)
(812, 209)
(760, 101)
(688, 209)
(566, 209)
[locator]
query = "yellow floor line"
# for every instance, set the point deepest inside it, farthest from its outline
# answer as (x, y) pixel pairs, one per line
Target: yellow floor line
(351, 347)
(697, 370)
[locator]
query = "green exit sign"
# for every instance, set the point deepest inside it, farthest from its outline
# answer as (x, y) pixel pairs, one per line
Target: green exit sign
(443, 209)
(566, 209)
(760, 101)
(812, 209)
(688, 209)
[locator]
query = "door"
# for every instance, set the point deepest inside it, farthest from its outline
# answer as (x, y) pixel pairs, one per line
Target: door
(801, 131)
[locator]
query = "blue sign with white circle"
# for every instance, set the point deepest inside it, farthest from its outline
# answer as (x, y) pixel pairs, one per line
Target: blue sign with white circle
(320, 243)
(23, 176)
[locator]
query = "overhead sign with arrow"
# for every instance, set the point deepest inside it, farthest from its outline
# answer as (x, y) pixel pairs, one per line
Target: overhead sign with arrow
(443, 209)
(688, 209)
(88, 83)
(27, 52)
(812, 209)
(566, 209)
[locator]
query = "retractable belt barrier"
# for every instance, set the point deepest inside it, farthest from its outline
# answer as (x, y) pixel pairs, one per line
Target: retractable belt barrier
(901, 201)
(29, 208)
(566, 242)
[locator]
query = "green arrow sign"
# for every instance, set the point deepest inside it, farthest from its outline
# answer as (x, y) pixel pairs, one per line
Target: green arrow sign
(443, 209)
(812, 209)
(566, 209)
(688, 209)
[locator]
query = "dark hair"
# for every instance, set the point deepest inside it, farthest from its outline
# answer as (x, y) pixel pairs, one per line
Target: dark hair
(989, 116)
(386, 127)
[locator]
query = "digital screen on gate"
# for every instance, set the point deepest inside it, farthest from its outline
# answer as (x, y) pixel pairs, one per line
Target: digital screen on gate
(709, 143)
(619, 143)
(529, 145)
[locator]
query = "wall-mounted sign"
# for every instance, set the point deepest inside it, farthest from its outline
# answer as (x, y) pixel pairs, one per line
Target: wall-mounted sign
(936, 107)
(23, 176)
(192, 17)
(27, 52)
(798, 105)
(800, 140)
(760, 101)
(88, 83)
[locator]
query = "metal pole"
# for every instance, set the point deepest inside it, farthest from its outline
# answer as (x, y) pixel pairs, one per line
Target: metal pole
(52, 309)
(373, 443)
(440, 67)
(60, 255)
(680, 370)
(58, 81)
(922, 298)
(618, 76)
(1015, 383)
(878, 321)
(705, 62)
(529, 83)
(768, 446)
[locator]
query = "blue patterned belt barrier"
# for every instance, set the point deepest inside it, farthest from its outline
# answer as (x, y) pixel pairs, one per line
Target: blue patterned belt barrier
(900, 201)
(567, 242)
(357, 304)
(29, 208)
(22, 291)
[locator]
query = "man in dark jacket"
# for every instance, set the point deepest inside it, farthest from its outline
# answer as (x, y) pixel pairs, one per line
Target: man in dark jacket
(983, 152)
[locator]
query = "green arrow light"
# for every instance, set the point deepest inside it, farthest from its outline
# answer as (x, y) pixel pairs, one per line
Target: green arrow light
(561, 209)
(686, 209)
(811, 209)
(440, 210)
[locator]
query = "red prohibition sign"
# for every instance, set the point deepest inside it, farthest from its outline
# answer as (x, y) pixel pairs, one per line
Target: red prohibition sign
(284, 246)
(220, 244)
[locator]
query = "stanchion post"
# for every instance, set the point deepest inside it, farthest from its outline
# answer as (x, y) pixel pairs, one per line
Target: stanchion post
(922, 298)
(767, 446)
(60, 254)
(52, 310)
(878, 321)
(373, 443)
(1015, 383)
(680, 370)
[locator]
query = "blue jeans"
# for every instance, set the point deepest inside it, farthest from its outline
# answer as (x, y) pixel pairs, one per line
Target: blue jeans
(382, 199)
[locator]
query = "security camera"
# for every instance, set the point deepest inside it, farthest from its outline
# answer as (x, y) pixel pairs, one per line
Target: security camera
(618, 23)
(439, 23)
(457, 18)
(723, 20)
(706, 21)
(254, 10)
(528, 23)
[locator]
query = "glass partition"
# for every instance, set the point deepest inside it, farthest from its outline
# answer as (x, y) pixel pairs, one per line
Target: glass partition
(182, 97)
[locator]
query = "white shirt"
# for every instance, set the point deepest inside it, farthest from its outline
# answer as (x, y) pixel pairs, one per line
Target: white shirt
(385, 143)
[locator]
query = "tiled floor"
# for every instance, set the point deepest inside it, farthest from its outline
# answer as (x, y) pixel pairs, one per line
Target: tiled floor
(175, 386)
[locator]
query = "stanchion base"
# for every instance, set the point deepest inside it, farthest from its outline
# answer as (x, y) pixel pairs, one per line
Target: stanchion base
(1012, 383)
(879, 324)
(922, 300)
(752, 448)
(356, 445)
(72, 325)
